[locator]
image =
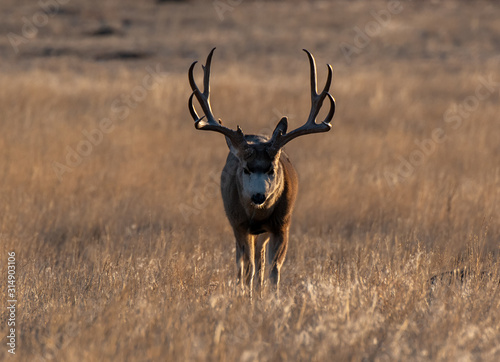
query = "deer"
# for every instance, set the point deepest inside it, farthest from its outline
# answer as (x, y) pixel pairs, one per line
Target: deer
(259, 184)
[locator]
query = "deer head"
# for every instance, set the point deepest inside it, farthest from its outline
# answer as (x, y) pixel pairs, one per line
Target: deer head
(259, 172)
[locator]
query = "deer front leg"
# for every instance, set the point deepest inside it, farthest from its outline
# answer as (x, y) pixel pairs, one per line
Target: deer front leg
(277, 253)
(245, 259)
(260, 259)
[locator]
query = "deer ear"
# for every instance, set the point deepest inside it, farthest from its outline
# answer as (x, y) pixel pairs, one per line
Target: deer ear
(281, 127)
(231, 147)
(279, 131)
(241, 152)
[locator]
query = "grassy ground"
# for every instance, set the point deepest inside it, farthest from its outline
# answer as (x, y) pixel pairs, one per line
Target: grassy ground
(109, 196)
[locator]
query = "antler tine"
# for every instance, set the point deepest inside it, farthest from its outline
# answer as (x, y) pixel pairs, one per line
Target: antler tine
(237, 137)
(192, 110)
(317, 99)
(279, 140)
(206, 71)
(203, 98)
(312, 64)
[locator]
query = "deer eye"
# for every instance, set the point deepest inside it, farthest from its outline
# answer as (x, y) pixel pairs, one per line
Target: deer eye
(246, 171)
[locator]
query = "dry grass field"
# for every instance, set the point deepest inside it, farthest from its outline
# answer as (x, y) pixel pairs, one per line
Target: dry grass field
(110, 198)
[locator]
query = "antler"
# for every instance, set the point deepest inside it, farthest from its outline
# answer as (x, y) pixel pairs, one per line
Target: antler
(210, 124)
(280, 138)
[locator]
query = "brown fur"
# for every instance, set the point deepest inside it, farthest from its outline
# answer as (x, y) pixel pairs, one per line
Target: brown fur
(248, 221)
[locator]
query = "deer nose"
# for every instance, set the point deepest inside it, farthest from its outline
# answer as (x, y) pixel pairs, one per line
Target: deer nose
(258, 199)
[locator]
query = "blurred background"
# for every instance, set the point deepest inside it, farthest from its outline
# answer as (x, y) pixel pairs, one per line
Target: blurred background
(416, 84)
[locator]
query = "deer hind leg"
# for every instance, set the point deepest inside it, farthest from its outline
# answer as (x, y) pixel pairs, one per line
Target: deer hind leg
(245, 260)
(277, 253)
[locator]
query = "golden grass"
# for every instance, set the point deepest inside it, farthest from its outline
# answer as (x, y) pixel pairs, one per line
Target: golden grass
(129, 256)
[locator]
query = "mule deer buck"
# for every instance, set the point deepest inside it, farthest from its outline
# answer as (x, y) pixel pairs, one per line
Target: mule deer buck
(258, 183)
